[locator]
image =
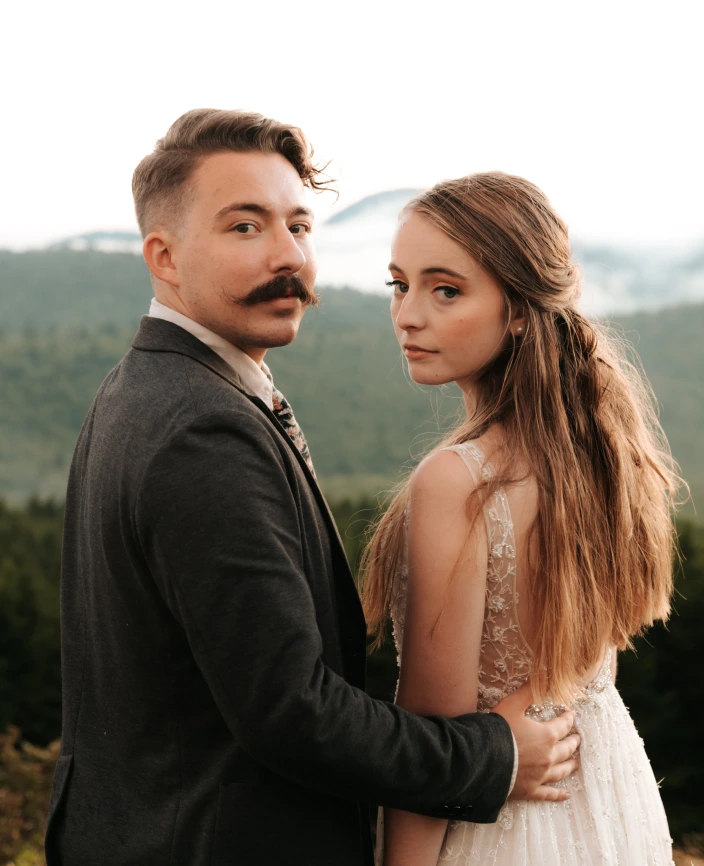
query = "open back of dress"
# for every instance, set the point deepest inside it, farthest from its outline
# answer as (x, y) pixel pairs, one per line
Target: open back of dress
(615, 815)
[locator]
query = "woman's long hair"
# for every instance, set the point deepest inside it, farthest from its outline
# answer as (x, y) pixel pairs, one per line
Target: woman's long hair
(582, 419)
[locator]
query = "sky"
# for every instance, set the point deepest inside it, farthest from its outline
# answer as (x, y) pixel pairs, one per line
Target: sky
(599, 103)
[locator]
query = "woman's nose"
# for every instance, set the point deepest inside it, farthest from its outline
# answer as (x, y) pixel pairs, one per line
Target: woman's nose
(409, 314)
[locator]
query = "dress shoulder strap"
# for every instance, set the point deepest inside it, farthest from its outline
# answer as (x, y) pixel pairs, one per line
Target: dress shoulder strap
(474, 459)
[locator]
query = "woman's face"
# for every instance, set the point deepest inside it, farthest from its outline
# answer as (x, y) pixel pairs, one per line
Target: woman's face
(448, 312)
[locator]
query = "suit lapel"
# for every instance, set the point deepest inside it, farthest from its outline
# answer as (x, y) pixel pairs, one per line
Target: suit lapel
(349, 609)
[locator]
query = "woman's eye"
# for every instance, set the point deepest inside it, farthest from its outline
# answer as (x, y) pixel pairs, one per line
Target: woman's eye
(300, 229)
(398, 286)
(448, 292)
(244, 228)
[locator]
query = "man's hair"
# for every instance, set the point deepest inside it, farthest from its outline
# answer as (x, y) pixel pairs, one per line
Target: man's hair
(160, 181)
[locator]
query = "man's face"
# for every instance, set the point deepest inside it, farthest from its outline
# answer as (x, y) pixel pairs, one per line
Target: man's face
(243, 254)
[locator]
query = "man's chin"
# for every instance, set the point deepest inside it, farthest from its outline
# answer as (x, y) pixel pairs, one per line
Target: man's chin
(282, 335)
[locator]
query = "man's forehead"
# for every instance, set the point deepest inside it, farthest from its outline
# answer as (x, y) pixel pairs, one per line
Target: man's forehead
(268, 178)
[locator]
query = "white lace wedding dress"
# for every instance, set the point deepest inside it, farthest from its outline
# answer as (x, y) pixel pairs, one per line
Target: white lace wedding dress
(615, 815)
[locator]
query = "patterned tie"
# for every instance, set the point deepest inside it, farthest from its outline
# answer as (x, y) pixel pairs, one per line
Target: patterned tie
(285, 417)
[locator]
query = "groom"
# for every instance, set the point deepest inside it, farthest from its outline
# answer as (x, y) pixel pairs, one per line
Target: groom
(213, 644)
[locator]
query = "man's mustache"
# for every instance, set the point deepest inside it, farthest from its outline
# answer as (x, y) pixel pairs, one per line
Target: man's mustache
(281, 287)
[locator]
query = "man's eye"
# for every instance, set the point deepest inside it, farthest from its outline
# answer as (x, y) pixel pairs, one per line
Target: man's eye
(448, 292)
(398, 286)
(300, 229)
(244, 228)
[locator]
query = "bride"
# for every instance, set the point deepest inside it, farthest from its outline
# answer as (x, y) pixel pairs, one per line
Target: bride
(537, 541)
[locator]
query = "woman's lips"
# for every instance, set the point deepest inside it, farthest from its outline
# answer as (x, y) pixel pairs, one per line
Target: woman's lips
(416, 353)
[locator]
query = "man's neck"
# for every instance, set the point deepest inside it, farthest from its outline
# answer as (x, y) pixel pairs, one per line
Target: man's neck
(176, 304)
(173, 302)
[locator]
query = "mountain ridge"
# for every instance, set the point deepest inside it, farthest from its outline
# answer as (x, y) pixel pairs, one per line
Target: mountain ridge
(353, 247)
(345, 377)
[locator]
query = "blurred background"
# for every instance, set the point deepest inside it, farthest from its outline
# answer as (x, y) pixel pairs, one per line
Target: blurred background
(598, 103)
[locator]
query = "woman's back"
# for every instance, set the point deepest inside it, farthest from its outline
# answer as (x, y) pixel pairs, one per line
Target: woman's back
(614, 815)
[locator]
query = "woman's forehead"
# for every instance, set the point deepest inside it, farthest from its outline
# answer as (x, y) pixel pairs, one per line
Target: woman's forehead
(418, 244)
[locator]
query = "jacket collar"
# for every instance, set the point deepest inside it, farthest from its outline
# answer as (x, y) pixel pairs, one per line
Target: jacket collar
(158, 335)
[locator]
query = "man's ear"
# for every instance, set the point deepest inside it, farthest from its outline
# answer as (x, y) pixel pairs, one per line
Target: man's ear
(158, 252)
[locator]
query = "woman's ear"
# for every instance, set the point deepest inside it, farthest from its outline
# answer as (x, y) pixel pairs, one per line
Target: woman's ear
(158, 253)
(518, 325)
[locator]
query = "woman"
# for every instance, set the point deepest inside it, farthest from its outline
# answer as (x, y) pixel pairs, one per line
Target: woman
(538, 539)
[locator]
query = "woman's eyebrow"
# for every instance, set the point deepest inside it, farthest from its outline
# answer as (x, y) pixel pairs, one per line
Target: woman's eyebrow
(427, 271)
(443, 271)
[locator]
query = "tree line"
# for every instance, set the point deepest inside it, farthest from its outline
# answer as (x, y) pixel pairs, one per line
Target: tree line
(661, 680)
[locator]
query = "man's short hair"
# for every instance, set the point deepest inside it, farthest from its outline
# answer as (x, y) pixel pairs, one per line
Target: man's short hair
(160, 181)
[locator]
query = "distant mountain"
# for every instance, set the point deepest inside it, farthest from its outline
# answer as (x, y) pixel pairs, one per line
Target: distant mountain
(617, 280)
(353, 250)
(102, 242)
(380, 205)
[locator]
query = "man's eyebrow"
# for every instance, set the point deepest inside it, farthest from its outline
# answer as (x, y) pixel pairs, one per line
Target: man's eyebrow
(252, 207)
(427, 271)
(301, 211)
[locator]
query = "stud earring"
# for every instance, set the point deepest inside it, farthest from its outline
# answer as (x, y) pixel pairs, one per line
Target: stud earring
(519, 331)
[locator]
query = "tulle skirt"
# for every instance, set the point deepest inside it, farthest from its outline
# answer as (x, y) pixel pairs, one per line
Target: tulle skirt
(614, 816)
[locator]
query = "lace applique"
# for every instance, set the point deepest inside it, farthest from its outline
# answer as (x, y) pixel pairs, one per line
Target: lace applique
(505, 656)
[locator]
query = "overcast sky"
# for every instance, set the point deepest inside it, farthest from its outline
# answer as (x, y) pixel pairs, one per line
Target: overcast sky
(599, 103)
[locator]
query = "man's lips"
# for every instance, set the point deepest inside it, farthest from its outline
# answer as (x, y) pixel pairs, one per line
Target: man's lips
(287, 297)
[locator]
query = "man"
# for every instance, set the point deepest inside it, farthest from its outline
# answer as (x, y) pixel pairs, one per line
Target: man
(213, 642)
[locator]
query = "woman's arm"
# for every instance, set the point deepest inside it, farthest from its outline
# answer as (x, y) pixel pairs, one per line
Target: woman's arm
(447, 563)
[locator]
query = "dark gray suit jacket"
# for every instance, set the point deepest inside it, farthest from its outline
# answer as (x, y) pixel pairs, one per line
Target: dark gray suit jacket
(213, 645)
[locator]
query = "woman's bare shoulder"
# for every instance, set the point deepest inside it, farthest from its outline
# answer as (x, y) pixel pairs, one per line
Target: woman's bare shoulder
(444, 476)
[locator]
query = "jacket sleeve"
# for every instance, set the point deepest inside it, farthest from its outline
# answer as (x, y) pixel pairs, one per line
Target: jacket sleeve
(217, 519)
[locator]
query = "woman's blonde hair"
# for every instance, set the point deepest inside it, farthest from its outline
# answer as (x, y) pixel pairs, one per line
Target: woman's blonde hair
(582, 419)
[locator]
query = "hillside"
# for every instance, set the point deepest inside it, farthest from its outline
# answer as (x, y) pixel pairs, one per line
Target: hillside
(99, 272)
(63, 288)
(343, 375)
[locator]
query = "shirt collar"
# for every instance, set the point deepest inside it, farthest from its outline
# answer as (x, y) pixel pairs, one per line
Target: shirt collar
(256, 378)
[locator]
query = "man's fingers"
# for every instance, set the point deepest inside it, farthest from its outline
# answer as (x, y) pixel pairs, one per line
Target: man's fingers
(561, 725)
(561, 771)
(566, 748)
(546, 793)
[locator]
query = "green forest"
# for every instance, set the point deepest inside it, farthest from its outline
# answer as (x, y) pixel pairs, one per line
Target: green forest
(67, 317)
(660, 681)
(364, 420)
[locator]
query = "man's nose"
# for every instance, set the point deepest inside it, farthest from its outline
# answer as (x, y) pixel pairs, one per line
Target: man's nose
(287, 257)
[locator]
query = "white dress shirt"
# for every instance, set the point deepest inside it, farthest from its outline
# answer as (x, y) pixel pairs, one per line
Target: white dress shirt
(255, 377)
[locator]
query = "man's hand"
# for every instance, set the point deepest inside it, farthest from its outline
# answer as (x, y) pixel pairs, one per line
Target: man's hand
(545, 749)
